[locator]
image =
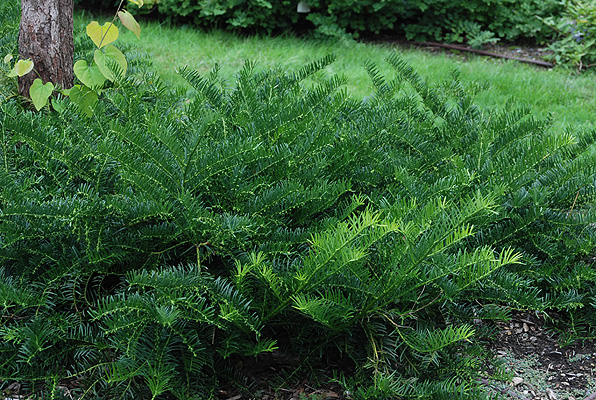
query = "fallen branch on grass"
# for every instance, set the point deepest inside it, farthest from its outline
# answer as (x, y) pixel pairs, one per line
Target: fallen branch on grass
(485, 53)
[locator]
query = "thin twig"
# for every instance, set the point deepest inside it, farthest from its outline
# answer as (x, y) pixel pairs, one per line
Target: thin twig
(485, 53)
(111, 23)
(574, 200)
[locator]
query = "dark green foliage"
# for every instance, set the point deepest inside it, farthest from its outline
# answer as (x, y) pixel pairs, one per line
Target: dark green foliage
(10, 16)
(474, 21)
(575, 32)
(147, 247)
(10, 13)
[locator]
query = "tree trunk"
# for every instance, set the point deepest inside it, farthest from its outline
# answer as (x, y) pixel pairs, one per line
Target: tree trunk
(45, 36)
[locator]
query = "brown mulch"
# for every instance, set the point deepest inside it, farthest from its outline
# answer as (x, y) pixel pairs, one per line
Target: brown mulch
(544, 369)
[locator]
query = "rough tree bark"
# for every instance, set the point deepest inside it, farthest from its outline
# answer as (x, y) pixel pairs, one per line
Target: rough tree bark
(45, 36)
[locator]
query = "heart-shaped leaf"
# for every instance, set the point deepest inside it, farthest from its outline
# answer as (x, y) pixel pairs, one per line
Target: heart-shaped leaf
(130, 22)
(40, 93)
(22, 67)
(84, 98)
(102, 35)
(111, 53)
(137, 2)
(91, 76)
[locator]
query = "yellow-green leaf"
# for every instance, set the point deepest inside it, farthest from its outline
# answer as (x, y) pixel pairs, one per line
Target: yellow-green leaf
(40, 93)
(130, 22)
(91, 76)
(7, 58)
(137, 2)
(111, 53)
(102, 35)
(22, 67)
(84, 98)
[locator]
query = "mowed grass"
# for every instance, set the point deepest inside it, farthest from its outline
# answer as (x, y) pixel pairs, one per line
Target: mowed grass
(570, 98)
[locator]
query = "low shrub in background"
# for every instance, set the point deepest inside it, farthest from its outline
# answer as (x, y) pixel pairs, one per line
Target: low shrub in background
(475, 21)
(148, 248)
(575, 40)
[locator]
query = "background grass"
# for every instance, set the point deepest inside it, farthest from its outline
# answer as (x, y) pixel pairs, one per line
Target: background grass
(569, 97)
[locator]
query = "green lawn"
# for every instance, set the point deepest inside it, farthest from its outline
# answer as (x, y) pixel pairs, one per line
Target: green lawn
(569, 97)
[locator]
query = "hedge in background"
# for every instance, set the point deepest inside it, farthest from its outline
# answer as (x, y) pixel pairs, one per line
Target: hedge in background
(464, 20)
(576, 35)
(475, 21)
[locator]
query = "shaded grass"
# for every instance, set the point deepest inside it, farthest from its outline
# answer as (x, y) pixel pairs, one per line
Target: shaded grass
(568, 97)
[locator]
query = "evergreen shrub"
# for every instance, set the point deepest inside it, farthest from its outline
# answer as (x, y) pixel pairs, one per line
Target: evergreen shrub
(148, 248)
